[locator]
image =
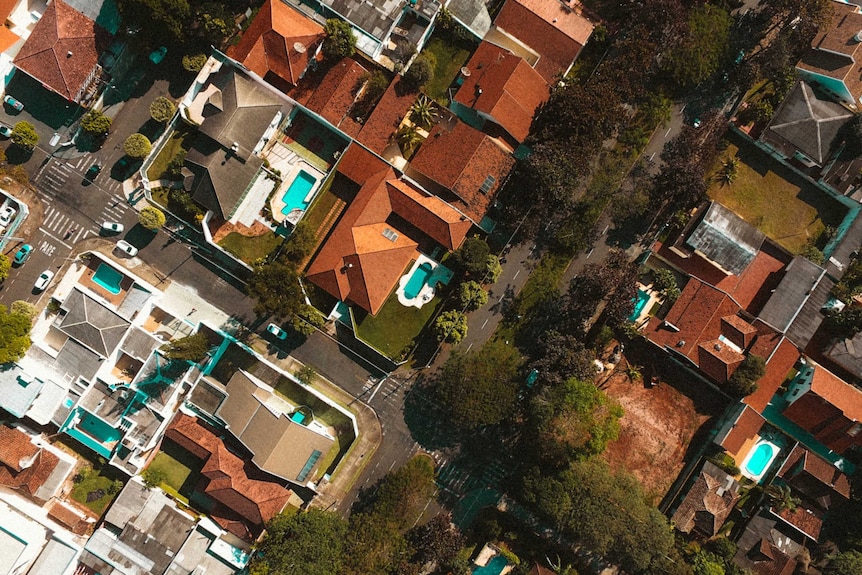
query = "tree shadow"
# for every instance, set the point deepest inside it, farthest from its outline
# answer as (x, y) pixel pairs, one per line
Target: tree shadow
(16, 155)
(139, 236)
(427, 419)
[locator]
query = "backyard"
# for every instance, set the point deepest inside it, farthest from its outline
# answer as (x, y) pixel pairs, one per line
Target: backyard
(773, 198)
(449, 55)
(394, 328)
(180, 140)
(251, 248)
(180, 469)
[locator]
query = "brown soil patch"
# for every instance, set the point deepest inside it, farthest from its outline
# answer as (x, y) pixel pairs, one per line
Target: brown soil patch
(220, 228)
(659, 424)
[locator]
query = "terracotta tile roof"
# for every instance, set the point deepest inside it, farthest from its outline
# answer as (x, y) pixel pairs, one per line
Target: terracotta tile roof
(805, 520)
(231, 481)
(708, 503)
(358, 165)
(279, 40)
(65, 515)
(737, 330)
(387, 115)
(463, 160)
(503, 86)
(746, 426)
(357, 262)
(555, 30)
(24, 465)
(834, 51)
(63, 49)
(817, 480)
(335, 94)
(836, 391)
(778, 365)
(718, 360)
(7, 38)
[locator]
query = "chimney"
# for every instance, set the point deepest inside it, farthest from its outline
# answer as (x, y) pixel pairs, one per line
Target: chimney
(69, 54)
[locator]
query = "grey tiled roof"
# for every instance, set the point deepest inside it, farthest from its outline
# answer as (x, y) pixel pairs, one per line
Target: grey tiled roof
(92, 324)
(726, 239)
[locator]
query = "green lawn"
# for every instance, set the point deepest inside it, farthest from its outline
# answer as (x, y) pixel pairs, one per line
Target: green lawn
(395, 326)
(175, 472)
(95, 486)
(181, 139)
(450, 57)
(298, 395)
(251, 248)
(774, 199)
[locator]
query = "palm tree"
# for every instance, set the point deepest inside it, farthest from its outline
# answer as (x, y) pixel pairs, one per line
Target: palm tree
(423, 111)
(408, 138)
(729, 170)
(781, 497)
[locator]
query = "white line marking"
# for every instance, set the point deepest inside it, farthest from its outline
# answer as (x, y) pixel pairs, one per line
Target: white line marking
(376, 389)
(589, 253)
(516, 274)
(484, 323)
(53, 237)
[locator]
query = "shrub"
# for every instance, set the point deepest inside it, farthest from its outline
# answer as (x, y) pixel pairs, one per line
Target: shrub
(137, 146)
(471, 296)
(22, 307)
(153, 477)
(421, 72)
(151, 218)
(5, 266)
(175, 166)
(340, 41)
(194, 62)
(305, 374)
(162, 109)
(24, 135)
(96, 123)
(451, 326)
(744, 380)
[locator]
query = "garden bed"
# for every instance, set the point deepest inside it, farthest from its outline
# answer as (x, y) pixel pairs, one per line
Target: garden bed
(251, 248)
(181, 140)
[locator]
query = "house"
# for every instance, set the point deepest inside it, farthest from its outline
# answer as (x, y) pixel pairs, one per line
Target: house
(462, 166)
(63, 52)
(766, 549)
(388, 223)
(847, 354)
(549, 34)
(739, 433)
(30, 465)
(805, 126)
(708, 502)
(336, 93)
(124, 544)
(831, 62)
(827, 407)
(235, 115)
(30, 544)
(501, 88)
(378, 129)
(279, 44)
(244, 498)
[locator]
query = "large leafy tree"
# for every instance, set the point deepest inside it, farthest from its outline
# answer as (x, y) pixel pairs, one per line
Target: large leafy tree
(309, 543)
(191, 348)
(162, 109)
(95, 122)
(574, 420)
(436, 542)
(162, 21)
(137, 146)
(702, 49)
(276, 287)
(561, 357)
(340, 41)
(5, 266)
(24, 135)
(472, 257)
(744, 380)
(479, 387)
(14, 335)
(151, 218)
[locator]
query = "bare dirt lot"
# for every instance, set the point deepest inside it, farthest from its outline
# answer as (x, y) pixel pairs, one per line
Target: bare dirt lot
(660, 424)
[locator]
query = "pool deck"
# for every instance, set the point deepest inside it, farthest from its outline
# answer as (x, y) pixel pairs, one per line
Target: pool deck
(643, 317)
(439, 274)
(290, 164)
(86, 280)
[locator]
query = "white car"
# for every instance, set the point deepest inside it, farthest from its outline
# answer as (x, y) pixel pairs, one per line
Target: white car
(43, 280)
(112, 227)
(127, 248)
(7, 214)
(276, 331)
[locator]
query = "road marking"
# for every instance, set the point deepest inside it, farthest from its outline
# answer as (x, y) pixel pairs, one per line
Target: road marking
(53, 237)
(516, 274)
(484, 323)
(589, 253)
(668, 132)
(376, 389)
(607, 227)
(469, 347)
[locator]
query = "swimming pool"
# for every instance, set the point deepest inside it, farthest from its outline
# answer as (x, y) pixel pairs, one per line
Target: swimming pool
(494, 567)
(640, 302)
(296, 196)
(108, 278)
(759, 459)
(418, 280)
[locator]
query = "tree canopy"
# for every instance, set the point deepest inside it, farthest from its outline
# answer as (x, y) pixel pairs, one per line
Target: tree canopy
(191, 348)
(5, 266)
(24, 135)
(561, 357)
(276, 287)
(471, 296)
(479, 387)
(451, 326)
(420, 72)
(309, 543)
(744, 380)
(472, 257)
(340, 41)
(95, 122)
(14, 335)
(162, 109)
(151, 218)
(137, 146)
(702, 49)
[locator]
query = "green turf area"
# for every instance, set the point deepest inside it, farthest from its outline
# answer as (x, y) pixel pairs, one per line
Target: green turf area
(395, 326)
(181, 139)
(251, 248)
(97, 488)
(449, 57)
(773, 198)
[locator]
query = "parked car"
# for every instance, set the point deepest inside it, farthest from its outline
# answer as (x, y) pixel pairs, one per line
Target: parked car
(112, 227)
(276, 331)
(13, 103)
(43, 280)
(156, 56)
(5, 130)
(22, 254)
(127, 248)
(7, 214)
(93, 172)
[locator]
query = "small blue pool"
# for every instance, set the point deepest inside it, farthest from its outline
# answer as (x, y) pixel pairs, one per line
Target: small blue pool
(418, 280)
(108, 278)
(760, 459)
(494, 567)
(295, 196)
(640, 302)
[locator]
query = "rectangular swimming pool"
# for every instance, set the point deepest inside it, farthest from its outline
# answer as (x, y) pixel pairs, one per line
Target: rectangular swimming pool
(296, 196)
(640, 302)
(417, 280)
(108, 278)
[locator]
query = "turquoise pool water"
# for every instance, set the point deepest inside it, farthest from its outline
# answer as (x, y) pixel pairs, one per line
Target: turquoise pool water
(108, 278)
(640, 302)
(494, 567)
(93, 432)
(418, 280)
(294, 197)
(758, 460)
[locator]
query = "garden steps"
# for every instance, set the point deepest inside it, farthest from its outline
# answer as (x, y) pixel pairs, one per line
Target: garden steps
(325, 226)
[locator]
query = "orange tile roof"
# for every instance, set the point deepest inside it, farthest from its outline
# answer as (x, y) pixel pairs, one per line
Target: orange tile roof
(63, 49)
(778, 366)
(836, 391)
(802, 519)
(834, 51)
(76, 521)
(357, 262)
(279, 40)
(746, 426)
(24, 465)
(233, 482)
(503, 86)
(15, 447)
(7, 38)
(460, 159)
(718, 360)
(555, 30)
(335, 94)
(387, 115)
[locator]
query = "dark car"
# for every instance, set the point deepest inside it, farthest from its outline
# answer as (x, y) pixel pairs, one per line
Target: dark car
(93, 172)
